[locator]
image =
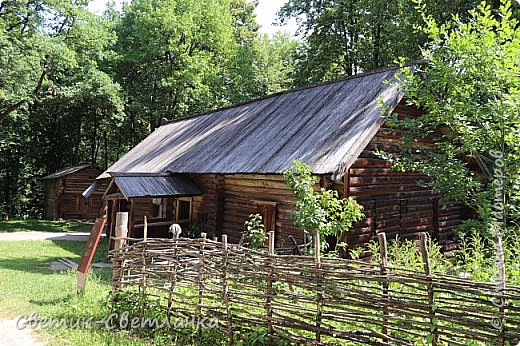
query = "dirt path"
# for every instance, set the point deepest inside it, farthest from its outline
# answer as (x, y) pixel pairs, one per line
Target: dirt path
(17, 236)
(12, 336)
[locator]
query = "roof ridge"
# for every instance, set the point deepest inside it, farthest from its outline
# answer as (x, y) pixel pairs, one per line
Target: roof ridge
(284, 92)
(72, 169)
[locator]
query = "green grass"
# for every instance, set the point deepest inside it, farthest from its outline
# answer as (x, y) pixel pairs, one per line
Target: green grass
(43, 226)
(28, 285)
(28, 280)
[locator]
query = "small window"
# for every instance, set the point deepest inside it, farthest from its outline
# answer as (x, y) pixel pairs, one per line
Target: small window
(183, 209)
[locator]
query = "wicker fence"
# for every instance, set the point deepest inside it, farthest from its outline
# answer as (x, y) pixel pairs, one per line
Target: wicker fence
(317, 301)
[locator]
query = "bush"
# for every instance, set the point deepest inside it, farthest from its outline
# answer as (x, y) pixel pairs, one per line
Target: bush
(254, 235)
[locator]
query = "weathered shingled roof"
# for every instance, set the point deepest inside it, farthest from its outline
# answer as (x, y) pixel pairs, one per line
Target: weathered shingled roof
(157, 186)
(66, 171)
(325, 125)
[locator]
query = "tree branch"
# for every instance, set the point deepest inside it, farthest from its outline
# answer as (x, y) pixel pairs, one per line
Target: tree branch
(37, 88)
(11, 109)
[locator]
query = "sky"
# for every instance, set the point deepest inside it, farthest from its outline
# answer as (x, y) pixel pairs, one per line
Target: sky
(265, 15)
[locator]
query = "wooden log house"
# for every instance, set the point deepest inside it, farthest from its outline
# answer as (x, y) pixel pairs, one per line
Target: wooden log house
(63, 194)
(209, 172)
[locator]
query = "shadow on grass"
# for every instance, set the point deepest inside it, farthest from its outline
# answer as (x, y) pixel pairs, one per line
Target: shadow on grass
(55, 301)
(42, 266)
(31, 264)
(32, 225)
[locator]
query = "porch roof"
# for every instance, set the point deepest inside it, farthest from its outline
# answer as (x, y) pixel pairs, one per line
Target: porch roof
(156, 186)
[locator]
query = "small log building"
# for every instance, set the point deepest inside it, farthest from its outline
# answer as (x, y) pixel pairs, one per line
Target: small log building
(209, 172)
(63, 194)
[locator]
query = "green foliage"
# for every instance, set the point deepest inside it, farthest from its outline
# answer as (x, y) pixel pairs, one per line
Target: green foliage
(172, 57)
(474, 259)
(274, 62)
(55, 103)
(322, 212)
(343, 37)
(81, 88)
(470, 89)
(255, 235)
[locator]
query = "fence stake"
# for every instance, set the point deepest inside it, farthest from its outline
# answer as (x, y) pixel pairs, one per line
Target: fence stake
(201, 270)
(225, 292)
(121, 232)
(143, 282)
(145, 229)
(173, 276)
(383, 251)
(269, 299)
(501, 286)
(427, 271)
(201, 281)
(319, 294)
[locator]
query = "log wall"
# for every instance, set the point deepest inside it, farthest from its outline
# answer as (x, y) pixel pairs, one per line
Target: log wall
(244, 193)
(50, 206)
(394, 202)
(63, 196)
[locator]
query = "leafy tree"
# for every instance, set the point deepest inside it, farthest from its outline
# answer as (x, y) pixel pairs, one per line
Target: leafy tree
(55, 103)
(274, 62)
(344, 37)
(470, 91)
(172, 58)
(322, 212)
(76, 87)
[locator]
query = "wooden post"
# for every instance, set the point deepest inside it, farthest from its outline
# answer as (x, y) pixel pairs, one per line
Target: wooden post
(269, 291)
(143, 279)
(501, 286)
(121, 232)
(346, 184)
(319, 294)
(271, 242)
(317, 248)
(225, 292)
(201, 275)
(145, 229)
(112, 230)
(88, 253)
(173, 277)
(201, 282)
(427, 271)
(131, 216)
(383, 251)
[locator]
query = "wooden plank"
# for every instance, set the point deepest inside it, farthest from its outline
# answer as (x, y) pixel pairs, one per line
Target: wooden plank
(88, 253)
(346, 184)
